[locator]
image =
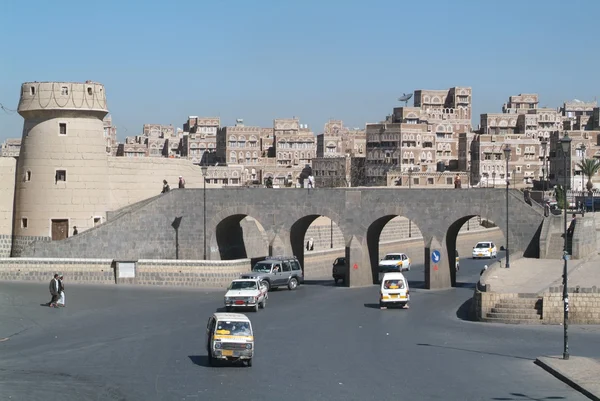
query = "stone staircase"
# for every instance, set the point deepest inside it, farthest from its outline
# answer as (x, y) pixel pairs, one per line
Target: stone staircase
(525, 309)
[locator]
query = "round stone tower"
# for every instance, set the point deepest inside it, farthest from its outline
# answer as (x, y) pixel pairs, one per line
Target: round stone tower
(62, 169)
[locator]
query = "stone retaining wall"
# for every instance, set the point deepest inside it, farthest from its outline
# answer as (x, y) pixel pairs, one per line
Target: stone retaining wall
(91, 271)
(190, 273)
(584, 306)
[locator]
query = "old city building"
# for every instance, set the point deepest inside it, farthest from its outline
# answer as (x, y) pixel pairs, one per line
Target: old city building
(110, 136)
(199, 141)
(423, 138)
(10, 147)
(340, 156)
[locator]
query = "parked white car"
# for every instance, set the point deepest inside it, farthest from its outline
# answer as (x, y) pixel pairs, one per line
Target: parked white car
(485, 249)
(246, 293)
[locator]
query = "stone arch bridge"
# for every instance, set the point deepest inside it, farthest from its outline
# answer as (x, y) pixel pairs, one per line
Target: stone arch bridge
(172, 225)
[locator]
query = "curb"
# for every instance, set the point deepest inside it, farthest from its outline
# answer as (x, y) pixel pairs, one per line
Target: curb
(565, 379)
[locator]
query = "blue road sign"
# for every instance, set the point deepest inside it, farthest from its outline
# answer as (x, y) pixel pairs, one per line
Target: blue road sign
(436, 256)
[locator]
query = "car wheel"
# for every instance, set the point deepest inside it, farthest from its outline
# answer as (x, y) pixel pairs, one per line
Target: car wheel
(228, 309)
(293, 283)
(249, 362)
(408, 268)
(267, 284)
(335, 280)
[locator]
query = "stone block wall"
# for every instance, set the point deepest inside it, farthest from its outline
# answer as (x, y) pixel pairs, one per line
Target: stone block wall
(8, 168)
(584, 306)
(190, 273)
(483, 302)
(90, 271)
(584, 237)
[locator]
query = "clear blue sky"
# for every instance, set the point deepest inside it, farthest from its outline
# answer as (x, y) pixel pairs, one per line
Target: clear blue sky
(265, 59)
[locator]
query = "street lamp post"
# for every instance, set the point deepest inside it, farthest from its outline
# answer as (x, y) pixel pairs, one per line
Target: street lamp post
(544, 172)
(507, 151)
(566, 148)
(583, 147)
(410, 171)
(204, 171)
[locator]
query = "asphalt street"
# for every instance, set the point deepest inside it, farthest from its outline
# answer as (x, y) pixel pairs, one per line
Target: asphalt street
(319, 342)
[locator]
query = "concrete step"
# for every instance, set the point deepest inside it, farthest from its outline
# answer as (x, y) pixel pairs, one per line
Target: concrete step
(511, 321)
(514, 316)
(525, 304)
(519, 311)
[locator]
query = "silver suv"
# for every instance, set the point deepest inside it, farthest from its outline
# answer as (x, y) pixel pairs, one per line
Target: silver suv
(278, 271)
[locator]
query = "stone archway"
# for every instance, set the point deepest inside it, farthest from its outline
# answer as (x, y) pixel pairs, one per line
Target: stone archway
(394, 233)
(240, 236)
(464, 233)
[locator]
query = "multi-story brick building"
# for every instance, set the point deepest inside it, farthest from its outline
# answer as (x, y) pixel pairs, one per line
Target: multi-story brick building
(10, 147)
(336, 140)
(110, 136)
(295, 143)
(159, 140)
(580, 122)
(422, 138)
(199, 140)
(239, 144)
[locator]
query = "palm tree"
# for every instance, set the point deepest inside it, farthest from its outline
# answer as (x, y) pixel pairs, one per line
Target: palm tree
(589, 167)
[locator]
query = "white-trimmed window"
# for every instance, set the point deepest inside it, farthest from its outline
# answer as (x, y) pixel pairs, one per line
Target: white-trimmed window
(62, 128)
(24, 222)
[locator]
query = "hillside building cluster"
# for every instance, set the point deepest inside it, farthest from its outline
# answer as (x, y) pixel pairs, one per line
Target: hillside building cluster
(428, 144)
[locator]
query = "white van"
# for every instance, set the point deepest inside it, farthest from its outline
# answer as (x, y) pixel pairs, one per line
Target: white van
(394, 291)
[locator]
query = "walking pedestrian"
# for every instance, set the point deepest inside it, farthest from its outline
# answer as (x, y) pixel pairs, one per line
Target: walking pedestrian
(181, 182)
(54, 291)
(61, 291)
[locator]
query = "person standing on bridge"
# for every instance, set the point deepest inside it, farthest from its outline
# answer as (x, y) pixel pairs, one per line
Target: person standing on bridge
(457, 182)
(166, 187)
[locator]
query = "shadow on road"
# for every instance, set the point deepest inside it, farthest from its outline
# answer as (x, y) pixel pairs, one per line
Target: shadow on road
(521, 396)
(464, 311)
(323, 283)
(466, 285)
(476, 352)
(372, 306)
(416, 284)
(202, 360)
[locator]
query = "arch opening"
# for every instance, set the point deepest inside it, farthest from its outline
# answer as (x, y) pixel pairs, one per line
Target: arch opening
(461, 238)
(241, 236)
(395, 234)
(317, 241)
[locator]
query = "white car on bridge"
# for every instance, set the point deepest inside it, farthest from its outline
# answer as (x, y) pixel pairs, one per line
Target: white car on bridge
(485, 249)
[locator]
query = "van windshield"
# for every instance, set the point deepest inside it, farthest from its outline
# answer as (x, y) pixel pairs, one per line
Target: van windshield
(483, 245)
(393, 284)
(233, 328)
(262, 267)
(393, 257)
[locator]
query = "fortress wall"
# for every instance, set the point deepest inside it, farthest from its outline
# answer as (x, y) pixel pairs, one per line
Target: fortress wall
(135, 179)
(8, 168)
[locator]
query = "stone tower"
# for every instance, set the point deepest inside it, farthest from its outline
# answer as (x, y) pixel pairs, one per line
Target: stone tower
(62, 170)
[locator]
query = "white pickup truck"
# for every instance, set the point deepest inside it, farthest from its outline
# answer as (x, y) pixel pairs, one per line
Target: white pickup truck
(246, 293)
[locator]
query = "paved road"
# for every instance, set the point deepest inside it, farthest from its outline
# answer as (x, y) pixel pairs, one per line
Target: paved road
(317, 343)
